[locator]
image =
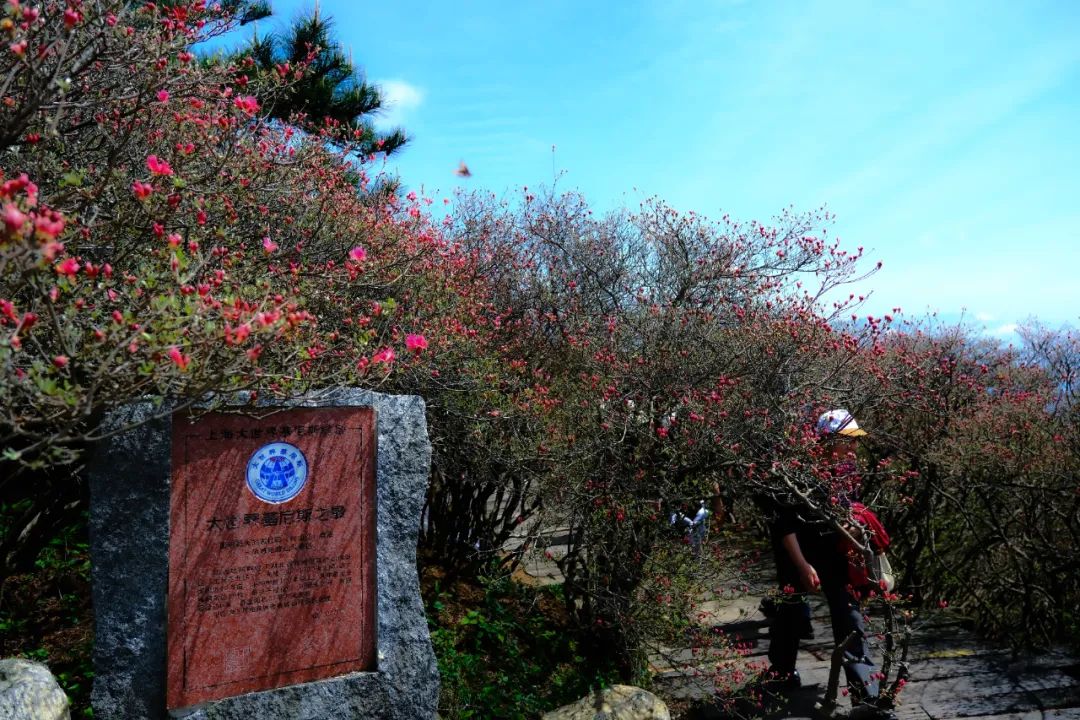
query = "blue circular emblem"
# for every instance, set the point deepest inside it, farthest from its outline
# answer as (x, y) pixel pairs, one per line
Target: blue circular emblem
(276, 472)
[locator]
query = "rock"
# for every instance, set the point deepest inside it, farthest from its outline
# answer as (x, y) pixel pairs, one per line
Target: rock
(522, 577)
(618, 702)
(28, 691)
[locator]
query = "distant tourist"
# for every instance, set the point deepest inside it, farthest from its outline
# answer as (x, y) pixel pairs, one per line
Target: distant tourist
(691, 527)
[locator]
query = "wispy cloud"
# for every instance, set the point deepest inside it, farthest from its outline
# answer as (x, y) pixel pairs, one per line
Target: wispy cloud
(946, 122)
(399, 100)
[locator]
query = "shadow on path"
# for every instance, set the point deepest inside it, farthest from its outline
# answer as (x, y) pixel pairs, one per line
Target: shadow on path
(797, 703)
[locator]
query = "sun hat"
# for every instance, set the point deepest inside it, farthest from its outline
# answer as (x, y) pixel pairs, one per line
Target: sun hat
(839, 422)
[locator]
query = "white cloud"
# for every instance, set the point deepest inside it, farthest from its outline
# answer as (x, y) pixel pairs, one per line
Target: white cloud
(399, 99)
(1004, 330)
(984, 317)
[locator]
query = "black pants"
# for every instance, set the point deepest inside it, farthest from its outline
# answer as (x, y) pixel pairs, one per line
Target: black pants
(793, 612)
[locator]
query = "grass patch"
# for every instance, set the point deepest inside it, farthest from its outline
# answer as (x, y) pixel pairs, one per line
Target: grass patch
(503, 650)
(46, 615)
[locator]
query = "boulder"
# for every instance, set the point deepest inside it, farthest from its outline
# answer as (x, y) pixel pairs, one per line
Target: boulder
(618, 702)
(28, 691)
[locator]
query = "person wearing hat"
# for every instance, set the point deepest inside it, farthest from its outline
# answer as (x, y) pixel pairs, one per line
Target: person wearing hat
(809, 559)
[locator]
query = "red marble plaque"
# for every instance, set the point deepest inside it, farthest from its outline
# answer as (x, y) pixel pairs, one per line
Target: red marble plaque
(271, 551)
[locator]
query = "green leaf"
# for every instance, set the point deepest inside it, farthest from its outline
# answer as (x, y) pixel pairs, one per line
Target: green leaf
(72, 179)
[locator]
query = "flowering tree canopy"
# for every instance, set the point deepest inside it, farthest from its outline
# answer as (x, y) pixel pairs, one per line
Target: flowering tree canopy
(163, 239)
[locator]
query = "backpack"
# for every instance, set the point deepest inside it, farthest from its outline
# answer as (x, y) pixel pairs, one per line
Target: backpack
(860, 575)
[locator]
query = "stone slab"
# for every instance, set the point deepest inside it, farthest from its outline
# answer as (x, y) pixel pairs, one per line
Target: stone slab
(271, 551)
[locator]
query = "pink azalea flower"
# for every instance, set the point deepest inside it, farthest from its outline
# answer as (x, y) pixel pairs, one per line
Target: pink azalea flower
(158, 166)
(18, 185)
(357, 254)
(142, 190)
(266, 319)
(14, 218)
(163, 96)
(60, 361)
(68, 267)
(269, 245)
(386, 356)
(248, 104)
(240, 333)
(179, 358)
(49, 224)
(415, 343)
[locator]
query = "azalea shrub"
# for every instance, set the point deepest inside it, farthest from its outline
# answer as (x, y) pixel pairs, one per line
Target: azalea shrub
(670, 358)
(983, 439)
(163, 240)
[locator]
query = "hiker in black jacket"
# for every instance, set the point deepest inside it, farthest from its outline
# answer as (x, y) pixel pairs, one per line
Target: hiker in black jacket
(809, 559)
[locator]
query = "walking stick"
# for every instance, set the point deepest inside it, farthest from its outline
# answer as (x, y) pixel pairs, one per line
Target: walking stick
(827, 707)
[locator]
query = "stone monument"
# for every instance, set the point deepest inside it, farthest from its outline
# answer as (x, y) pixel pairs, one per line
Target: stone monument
(262, 564)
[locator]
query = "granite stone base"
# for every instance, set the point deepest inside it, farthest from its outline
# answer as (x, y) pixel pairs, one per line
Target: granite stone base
(129, 533)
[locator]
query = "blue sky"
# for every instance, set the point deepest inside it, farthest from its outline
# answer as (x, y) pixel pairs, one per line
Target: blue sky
(945, 136)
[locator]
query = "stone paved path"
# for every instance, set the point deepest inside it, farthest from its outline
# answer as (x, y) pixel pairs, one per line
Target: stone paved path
(953, 673)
